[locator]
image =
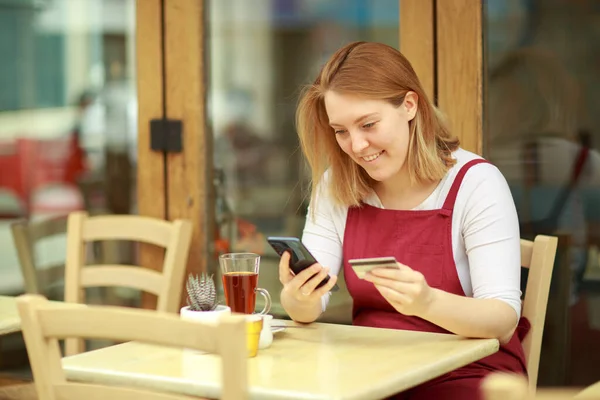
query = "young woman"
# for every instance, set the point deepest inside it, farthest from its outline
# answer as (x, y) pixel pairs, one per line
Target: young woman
(390, 180)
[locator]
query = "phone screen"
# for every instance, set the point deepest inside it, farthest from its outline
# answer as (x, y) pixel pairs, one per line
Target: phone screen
(299, 253)
(300, 259)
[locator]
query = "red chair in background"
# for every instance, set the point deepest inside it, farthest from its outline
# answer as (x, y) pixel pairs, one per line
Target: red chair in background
(28, 165)
(12, 184)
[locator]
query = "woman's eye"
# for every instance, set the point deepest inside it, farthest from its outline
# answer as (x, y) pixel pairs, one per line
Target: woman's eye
(369, 125)
(339, 131)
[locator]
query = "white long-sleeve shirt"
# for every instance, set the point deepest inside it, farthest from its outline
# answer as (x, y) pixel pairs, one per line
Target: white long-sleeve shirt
(485, 231)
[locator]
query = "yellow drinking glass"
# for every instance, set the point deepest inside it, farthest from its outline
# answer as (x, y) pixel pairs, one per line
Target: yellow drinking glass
(254, 324)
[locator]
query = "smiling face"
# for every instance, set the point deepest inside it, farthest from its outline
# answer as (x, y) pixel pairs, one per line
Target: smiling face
(374, 133)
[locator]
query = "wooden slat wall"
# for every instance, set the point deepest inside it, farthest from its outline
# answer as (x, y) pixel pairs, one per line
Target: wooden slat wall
(185, 96)
(417, 41)
(150, 168)
(459, 68)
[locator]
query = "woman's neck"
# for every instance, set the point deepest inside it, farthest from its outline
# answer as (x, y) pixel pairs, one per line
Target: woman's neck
(398, 193)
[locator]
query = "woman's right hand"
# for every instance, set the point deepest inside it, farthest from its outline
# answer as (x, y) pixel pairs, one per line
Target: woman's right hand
(302, 288)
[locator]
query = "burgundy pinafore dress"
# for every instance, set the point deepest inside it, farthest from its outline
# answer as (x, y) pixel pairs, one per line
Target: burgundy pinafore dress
(421, 239)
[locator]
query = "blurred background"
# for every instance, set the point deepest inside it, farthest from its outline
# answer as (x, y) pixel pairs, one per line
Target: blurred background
(68, 133)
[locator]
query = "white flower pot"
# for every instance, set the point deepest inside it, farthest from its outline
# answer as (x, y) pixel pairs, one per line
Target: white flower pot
(204, 316)
(210, 317)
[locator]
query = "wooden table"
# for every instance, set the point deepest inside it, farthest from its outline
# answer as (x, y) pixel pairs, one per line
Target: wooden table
(590, 392)
(317, 361)
(10, 321)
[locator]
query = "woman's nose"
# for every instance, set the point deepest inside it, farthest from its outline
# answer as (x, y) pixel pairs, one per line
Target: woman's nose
(359, 143)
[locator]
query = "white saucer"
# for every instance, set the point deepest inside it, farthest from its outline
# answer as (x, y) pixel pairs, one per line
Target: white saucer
(278, 325)
(277, 329)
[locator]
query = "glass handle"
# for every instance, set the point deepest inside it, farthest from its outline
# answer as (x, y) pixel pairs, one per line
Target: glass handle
(267, 297)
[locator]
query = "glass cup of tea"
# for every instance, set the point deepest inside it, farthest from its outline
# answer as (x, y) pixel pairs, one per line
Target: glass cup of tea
(239, 272)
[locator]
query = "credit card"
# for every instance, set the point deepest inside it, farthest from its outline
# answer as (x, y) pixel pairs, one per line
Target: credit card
(363, 265)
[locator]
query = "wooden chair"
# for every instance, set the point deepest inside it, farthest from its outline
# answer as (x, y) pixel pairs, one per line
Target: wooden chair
(167, 285)
(503, 386)
(40, 278)
(538, 256)
(26, 236)
(44, 323)
(555, 354)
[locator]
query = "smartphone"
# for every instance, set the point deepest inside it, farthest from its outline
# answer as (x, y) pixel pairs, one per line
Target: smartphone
(363, 265)
(300, 256)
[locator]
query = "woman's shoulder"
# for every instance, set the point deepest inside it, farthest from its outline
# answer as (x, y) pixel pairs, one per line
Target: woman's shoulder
(483, 191)
(478, 173)
(463, 156)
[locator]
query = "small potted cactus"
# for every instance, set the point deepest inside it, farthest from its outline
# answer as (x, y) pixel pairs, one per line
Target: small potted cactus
(202, 300)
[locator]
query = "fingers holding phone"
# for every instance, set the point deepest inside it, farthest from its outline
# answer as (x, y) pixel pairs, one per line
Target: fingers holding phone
(297, 258)
(304, 286)
(313, 284)
(285, 273)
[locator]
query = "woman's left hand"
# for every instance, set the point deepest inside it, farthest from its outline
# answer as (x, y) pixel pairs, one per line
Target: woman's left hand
(404, 288)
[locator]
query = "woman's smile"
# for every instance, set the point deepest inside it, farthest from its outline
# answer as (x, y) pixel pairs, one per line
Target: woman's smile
(372, 157)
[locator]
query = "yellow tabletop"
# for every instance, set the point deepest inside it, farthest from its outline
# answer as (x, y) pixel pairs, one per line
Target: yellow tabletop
(317, 361)
(591, 392)
(9, 316)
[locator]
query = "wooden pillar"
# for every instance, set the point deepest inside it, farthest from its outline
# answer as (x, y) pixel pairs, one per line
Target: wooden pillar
(150, 164)
(459, 41)
(188, 172)
(417, 40)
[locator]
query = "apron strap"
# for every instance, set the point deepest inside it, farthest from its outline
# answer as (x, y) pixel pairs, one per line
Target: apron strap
(451, 198)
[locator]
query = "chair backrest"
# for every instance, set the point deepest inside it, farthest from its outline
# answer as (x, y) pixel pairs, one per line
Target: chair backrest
(26, 235)
(44, 323)
(167, 284)
(504, 386)
(539, 257)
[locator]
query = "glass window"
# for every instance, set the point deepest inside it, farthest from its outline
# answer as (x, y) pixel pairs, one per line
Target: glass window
(261, 53)
(67, 121)
(543, 132)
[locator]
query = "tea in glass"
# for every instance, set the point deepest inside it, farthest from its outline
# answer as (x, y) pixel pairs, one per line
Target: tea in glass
(239, 272)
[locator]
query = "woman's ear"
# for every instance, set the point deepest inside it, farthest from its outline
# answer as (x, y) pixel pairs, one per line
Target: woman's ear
(411, 102)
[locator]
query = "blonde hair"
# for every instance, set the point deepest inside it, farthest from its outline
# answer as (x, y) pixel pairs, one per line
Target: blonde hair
(374, 71)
